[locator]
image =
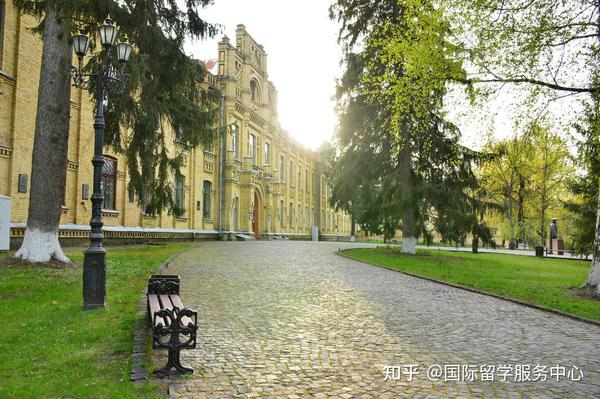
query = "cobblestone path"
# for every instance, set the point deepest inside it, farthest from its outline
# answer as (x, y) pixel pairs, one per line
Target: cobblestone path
(294, 320)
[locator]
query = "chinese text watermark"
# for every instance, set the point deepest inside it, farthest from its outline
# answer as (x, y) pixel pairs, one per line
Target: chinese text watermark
(483, 372)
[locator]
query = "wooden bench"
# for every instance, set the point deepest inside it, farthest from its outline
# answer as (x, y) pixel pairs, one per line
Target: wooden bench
(173, 325)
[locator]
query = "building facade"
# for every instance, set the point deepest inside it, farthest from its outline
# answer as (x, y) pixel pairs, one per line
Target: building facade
(256, 180)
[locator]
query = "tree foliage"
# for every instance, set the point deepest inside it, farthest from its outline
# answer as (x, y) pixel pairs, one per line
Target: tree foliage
(546, 43)
(528, 175)
(585, 185)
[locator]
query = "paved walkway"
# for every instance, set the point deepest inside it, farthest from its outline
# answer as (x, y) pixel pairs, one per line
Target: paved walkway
(294, 320)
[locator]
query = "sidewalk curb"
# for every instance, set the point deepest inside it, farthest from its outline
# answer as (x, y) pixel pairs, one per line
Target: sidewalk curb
(477, 291)
(141, 332)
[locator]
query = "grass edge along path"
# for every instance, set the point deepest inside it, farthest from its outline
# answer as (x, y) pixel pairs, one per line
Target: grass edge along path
(547, 284)
(50, 347)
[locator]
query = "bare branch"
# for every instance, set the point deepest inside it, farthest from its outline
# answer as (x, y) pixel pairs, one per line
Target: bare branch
(553, 86)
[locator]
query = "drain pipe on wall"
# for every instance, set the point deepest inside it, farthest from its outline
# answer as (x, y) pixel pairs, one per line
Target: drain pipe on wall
(221, 166)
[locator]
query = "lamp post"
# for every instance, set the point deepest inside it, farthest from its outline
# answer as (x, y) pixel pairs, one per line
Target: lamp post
(108, 79)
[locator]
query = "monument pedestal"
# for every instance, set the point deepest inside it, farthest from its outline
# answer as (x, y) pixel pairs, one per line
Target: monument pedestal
(555, 246)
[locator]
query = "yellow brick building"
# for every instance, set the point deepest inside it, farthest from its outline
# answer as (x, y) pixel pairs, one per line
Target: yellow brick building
(255, 181)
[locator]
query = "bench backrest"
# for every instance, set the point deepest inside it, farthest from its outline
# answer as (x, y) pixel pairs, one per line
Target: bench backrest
(163, 285)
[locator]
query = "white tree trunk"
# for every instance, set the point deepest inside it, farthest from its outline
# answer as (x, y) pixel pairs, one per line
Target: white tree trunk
(594, 277)
(409, 240)
(409, 245)
(39, 246)
(51, 138)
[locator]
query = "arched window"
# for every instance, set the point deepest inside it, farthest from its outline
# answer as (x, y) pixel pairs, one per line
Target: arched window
(254, 90)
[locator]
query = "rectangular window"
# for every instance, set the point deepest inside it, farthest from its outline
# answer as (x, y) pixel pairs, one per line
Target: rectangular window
(179, 194)
(267, 154)
(291, 216)
(291, 173)
(306, 181)
(282, 168)
(281, 213)
(236, 211)
(299, 176)
(109, 183)
(252, 147)
(235, 141)
(2, 17)
(206, 198)
(299, 215)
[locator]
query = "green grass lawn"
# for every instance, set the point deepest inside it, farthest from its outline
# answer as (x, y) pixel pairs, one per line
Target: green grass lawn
(51, 348)
(547, 282)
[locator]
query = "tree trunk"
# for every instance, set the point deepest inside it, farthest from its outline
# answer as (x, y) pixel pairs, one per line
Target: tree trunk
(49, 160)
(594, 276)
(475, 244)
(521, 210)
(544, 196)
(409, 239)
(352, 229)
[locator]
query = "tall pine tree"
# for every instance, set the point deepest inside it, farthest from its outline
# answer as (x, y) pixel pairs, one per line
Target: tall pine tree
(164, 91)
(393, 135)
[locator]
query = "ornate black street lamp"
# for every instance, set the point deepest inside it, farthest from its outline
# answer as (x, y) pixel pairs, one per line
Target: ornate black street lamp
(108, 79)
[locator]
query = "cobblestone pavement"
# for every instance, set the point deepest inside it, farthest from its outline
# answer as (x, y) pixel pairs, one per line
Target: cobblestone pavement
(294, 320)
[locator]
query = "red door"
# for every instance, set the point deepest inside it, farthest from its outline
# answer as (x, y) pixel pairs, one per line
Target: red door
(255, 218)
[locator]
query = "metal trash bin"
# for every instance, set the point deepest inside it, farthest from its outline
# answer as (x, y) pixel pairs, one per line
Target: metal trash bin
(539, 251)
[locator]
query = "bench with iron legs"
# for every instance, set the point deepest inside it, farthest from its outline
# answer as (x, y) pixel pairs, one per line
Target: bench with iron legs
(173, 325)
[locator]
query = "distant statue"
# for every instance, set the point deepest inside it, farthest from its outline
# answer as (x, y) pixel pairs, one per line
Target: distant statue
(553, 230)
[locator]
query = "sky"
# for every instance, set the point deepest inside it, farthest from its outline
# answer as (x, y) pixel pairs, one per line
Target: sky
(302, 58)
(304, 61)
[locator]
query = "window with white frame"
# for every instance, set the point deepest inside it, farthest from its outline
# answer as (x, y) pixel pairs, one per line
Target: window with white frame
(179, 194)
(252, 147)
(267, 154)
(206, 198)
(235, 138)
(109, 183)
